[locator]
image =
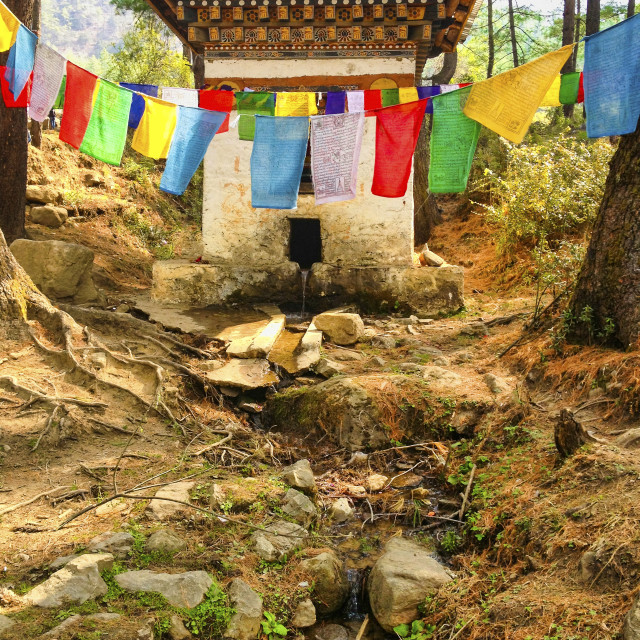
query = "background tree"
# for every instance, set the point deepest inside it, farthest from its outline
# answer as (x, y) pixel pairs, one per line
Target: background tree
(568, 34)
(491, 49)
(512, 33)
(592, 24)
(13, 149)
(35, 127)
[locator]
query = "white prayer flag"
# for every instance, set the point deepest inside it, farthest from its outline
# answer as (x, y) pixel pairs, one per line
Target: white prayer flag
(183, 97)
(48, 70)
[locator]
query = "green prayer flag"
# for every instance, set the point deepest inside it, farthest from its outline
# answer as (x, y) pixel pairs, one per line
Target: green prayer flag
(107, 130)
(453, 142)
(250, 103)
(390, 97)
(569, 86)
(59, 103)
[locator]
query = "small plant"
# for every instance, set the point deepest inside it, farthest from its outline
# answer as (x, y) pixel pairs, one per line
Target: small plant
(272, 628)
(211, 617)
(417, 630)
(450, 542)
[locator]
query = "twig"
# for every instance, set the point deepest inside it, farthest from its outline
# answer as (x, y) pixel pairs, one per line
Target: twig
(27, 502)
(47, 426)
(466, 493)
(68, 496)
(462, 628)
(363, 627)
(215, 445)
(89, 472)
(406, 446)
(417, 464)
(115, 469)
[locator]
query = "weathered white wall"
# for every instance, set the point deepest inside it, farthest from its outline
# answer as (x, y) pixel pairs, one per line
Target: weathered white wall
(368, 230)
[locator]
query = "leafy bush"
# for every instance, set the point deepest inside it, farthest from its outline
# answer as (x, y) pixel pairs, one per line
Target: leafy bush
(211, 617)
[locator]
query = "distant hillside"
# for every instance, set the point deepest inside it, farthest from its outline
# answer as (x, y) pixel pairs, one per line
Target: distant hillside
(81, 30)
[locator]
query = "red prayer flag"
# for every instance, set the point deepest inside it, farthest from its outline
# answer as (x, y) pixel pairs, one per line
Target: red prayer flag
(372, 100)
(397, 131)
(78, 104)
(23, 99)
(580, 97)
(217, 100)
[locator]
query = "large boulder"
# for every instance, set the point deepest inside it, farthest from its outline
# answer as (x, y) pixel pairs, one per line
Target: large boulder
(180, 589)
(76, 583)
(278, 540)
(631, 629)
(340, 328)
(43, 194)
(400, 581)
(299, 507)
(164, 508)
(245, 622)
(59, 269)
(165, 541)
(331, 587)
(304, 615)
(48, 215)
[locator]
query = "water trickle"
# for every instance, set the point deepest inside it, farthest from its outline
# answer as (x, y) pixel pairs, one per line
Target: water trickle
(353, 608)
(305, 274)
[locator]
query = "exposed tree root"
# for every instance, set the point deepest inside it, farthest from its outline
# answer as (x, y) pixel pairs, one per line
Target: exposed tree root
(31, 395)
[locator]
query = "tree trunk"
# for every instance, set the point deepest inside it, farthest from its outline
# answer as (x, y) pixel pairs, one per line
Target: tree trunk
(198, 71)
(592, 24)
(35, 127)
(631, 8)
(576, 38)
(490, 41)
(568, 29)
(609, 281)
(13, 150)
(512, 34)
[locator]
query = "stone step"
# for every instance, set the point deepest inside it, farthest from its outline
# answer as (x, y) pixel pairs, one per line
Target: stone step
(260, 344)
(304, 354)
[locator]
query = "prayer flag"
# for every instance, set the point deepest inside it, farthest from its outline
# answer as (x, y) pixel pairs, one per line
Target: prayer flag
(153, 135)
(569, 87)
(179, 96)
(612, 79)
(48, 71)
(277, 160)
(552, 97)
(428, 92)
(507, 102)
(107, 129)
(217, 100)
(78, 104)
(407, 94)
(355, 101)
(250, 103)
(20, 60)
(335, 102)
(335, 151)
(8, 28)
(9, 101)
(59, 103)
(453, 142)
(372, 101)
(137, 102)
(390, 97)
(296, 104)
(446, 88)
(195, 129)
(397, 131)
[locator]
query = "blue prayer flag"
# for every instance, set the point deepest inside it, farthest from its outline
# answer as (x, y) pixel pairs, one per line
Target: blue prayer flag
(137, 104)
(277, 160)
(194, 131)
(21, 60)
(335, 102)
(612, 79)
(428, 92)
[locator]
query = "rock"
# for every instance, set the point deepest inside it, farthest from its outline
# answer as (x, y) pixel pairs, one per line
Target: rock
(349, 356)
(430, 259)
(43, 194)
(464, 356)
(218, 496)
(165, 510)
(631, 629)
(58, 563)
(299, 507)
(327, 368)
(56, 632)
(93, 179)
(383, 342)
(6, 624)
(48, 215)
(376, 482)
(98, 360)
(588, 566)
(177, 630)
(356, 490)
(441, 361)
(340, 328)
(442, 375)
(250, 406)
(400, 581)
(118, 544)
(78, 581)
(59, 269)
(243, 373)
(476, 328)
(245, 622)
(299, 475)
(406, 480)
(180, 589)
(411, 367)
(331, 587)
(341, 510)
(104, 617)
(165, 541)
(332, 632)
(380, 362)
(210, 365)
(305, 615)
(496, 385)
(358, 459)
(278, 540)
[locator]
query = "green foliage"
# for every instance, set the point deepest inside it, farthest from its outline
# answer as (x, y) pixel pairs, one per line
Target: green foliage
(418, 630)
(272, 628)
(211, 617)
(548, 190)
(138, 7)
(450, 542)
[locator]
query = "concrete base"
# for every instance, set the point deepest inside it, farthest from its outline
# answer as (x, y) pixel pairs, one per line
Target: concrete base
(428, 290)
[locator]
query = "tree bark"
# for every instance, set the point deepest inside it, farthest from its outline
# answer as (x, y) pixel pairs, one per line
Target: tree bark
(35, 127)
(198, 71)
(13, 150)
(631, 8)
(512, 34)
(592, 24)
(576, 38)
(609, 281)
(490, 39)
(568, 29)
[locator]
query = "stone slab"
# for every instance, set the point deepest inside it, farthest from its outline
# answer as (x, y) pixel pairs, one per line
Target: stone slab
(250, 373)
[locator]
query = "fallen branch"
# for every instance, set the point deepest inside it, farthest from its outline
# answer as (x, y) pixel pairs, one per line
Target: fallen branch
(215, 445)
(47, 426)
(466, 493)
(13, 507)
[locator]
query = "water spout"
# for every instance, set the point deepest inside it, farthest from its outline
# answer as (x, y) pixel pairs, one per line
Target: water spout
(353, 608)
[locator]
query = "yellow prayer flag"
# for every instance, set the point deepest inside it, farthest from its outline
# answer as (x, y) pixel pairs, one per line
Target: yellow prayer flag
(296, 104)
(507, 102)
(552, 97)
(8, 28)
(407, 94)
(155, 131)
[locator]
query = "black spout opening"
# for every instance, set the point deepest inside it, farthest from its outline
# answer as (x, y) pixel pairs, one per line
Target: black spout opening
(305, 241)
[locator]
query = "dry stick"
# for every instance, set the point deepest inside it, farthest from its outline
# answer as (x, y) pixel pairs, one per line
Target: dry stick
(26, 502)
(115, 469)
(89, 472)
(363, 627)
(47, 426)
(417, 464)
(36, 396)
(215, 445)
(68, 496)
(462, 628)
(466, 493)
(406, 446)
(609, 561)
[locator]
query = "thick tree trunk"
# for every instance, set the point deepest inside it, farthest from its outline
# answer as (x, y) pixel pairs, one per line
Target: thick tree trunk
(568, 29)
(592, 24)
(198, 71)
(512, 35)
(631, 8)
(35, 127)
(576, 37)
(490, 39)
(609, 281)
(13, 150)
